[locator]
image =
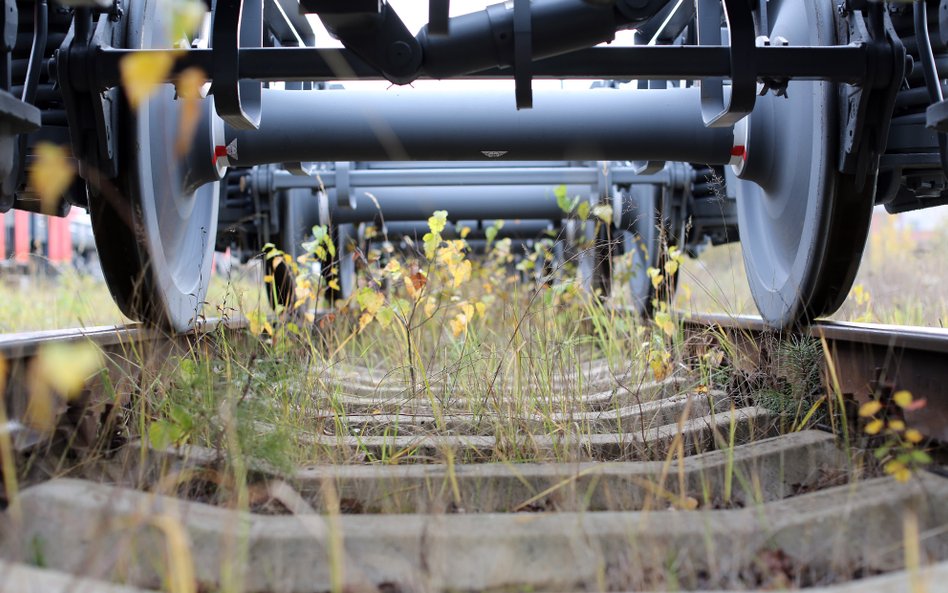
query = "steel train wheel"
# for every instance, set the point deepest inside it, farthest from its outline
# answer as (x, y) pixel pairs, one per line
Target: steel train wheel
(803, 225)
(156, 238)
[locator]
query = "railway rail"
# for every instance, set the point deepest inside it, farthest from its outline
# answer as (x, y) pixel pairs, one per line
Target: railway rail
(644, 485)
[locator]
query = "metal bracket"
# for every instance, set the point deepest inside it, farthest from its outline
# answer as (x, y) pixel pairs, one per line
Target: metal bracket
(438, 21)
(523, 54)
(236, 24)
(344, 196)
(378, 36)
(717, 110)
(91, 114)
(862, 145)
(603, 181)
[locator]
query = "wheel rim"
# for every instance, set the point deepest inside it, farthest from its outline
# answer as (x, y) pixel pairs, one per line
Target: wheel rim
(799, 265)
(158, 248)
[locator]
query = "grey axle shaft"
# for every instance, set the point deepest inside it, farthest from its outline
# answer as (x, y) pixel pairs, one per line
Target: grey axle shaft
(461, 202)
(596, 124)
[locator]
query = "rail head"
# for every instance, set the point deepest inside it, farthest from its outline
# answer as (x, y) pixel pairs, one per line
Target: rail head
(25, 344)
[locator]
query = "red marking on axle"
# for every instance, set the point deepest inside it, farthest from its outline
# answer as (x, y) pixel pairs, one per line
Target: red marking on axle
(219, 152)
(739, 151)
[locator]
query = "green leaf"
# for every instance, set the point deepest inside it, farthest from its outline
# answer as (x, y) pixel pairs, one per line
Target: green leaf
(402, 307)
(490, 234)
(583, 210)
(432, 242)
(162, 434)
(182, 418)
(369, 300)
(921, 457)
(562, 200)
(385, 316)
(188, 370)
(320, 232)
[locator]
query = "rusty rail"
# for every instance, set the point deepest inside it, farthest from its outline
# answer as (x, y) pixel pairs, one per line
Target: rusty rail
(870, 360)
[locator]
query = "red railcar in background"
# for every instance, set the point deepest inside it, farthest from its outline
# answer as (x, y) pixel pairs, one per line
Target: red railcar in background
(56, 240)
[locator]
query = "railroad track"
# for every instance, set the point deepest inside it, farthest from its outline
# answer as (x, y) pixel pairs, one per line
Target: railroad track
(606, 481)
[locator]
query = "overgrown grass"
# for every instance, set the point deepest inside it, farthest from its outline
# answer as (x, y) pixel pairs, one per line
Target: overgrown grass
(449, 359)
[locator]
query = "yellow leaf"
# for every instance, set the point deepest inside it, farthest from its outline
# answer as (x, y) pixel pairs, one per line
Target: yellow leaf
(333, 284)
(481, 308)
(364, 320)
(603, 212)
(438, 221)
(896, 425)
(465, 231)
(431, 305)
(186, 17)
(142, 72)
(688, 503)
(58, 370)
(458, 325)
(874, 427)
(393, 269)
(268, 279)
(660, 362)
(671, 266)
(188, 87)
(913, 436)
(898, 470)
(461, 273)
(656, 277)
(66, 367)
(51, 174)
(902, 398)
(870, 408)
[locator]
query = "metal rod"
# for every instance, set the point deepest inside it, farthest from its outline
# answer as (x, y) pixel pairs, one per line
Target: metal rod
(461, 202)
(37, 51)
(421, 175)
(847, 63)
(932, 82)
(602, 124)
(515, 229)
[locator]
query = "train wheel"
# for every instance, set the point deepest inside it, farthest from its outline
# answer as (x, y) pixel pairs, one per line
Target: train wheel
(803, 225)
(156, 233)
